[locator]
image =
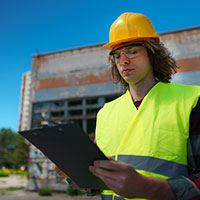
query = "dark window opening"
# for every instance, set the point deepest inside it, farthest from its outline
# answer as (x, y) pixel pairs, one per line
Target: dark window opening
(37, 116)
(57, 113)
(58, 104)
(91, 111)
(74, 112)
(75, 103)
(40, 106)
(111, 98)
(91, 101)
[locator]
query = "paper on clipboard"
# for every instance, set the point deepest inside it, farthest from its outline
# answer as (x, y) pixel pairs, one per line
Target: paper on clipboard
(71, 150)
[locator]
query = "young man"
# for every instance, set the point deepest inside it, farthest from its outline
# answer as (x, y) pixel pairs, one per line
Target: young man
(149, 131)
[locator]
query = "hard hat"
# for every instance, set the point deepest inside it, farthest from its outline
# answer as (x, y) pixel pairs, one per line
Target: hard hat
(131, 27)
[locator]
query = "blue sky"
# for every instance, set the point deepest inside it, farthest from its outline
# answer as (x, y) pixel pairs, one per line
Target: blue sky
(31, 26)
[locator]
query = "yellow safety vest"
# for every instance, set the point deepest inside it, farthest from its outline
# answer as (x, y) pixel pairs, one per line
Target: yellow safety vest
(153, 138)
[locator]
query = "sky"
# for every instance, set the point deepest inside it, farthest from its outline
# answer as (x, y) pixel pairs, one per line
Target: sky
(28, 27)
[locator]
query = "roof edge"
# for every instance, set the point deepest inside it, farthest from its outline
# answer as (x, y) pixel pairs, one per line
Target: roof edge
(180, 30)
(68, 49)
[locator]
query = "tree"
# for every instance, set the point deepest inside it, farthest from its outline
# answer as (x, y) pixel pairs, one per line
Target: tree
(20, 153)
(13, 149)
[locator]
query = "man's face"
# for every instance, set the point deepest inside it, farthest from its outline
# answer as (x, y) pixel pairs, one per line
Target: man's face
(133, 63)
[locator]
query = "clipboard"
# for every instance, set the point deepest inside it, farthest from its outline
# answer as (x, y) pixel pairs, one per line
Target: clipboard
(71, 150)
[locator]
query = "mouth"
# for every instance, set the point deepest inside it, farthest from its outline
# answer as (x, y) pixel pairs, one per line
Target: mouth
(125, 71)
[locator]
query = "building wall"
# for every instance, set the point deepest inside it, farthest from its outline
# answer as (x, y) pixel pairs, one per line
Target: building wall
(185, 48)
(25, 103)
(72, 85)
(73, 73)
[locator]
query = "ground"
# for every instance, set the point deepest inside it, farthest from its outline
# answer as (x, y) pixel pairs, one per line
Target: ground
(17, 181)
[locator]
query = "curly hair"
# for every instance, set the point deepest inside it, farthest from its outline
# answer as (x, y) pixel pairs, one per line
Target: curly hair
(164, 66)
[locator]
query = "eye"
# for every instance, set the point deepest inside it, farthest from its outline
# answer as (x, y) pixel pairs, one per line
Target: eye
(116, 56)
(131, 53)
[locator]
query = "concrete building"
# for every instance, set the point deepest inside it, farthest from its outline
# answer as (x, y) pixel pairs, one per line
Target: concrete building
(70, 86)
(25, 103)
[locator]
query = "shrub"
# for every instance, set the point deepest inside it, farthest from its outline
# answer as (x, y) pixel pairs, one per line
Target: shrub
(45, 192)
(71, 191)
(4, 173)
(18, 172)
(15, 188)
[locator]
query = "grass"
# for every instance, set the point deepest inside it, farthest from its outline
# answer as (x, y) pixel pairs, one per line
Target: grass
(4, 190)
(2, 181)
(12, 188)
(15, 188)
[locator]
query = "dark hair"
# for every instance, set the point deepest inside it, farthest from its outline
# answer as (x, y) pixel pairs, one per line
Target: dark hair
(164, 66)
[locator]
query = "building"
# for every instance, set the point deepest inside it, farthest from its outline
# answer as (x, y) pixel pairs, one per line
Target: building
(70, 86)
(184, 45)
(25, 103)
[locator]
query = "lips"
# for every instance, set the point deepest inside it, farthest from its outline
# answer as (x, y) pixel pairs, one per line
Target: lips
(125, 71)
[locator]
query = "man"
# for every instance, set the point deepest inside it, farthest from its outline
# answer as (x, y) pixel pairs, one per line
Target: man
(148, 132)
(151, 133)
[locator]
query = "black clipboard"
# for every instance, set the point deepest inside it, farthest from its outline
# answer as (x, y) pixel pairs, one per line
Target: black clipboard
(71, 150)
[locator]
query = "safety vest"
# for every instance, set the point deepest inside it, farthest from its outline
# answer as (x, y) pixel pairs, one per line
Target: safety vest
(153, 138)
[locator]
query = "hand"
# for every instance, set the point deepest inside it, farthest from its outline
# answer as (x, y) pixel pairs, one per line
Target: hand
(125, 181)
(120, 177)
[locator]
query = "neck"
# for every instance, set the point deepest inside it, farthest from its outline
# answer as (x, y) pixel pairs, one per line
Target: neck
(139, 90)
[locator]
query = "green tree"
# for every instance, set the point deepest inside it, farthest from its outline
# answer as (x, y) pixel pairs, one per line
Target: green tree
(20, 153)
(13, 149)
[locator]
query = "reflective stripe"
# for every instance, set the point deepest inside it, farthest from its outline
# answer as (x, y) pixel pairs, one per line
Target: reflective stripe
(109, 197)
(155, 165)
(106, 197)
(118, 198)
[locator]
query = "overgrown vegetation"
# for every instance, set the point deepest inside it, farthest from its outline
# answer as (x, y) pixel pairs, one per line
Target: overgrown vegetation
(15, 188)
(4, 190)
(71, 191)
(7, 172)
(45, 192)
(4, 173)
(13, 150)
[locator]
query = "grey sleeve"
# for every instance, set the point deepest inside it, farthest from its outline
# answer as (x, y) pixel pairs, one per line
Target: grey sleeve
(184, 188)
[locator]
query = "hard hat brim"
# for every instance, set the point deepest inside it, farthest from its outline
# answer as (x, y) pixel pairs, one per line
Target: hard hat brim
(115, 44)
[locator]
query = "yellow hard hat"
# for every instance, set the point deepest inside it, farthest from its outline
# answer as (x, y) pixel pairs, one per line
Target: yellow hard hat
(131, 27)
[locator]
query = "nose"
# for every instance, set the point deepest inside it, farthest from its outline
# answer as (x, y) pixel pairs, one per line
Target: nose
(124, 63)
(123, 59)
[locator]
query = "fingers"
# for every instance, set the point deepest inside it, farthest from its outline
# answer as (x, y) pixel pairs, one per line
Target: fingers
(111, 165)
(105, 164)
(101, 173)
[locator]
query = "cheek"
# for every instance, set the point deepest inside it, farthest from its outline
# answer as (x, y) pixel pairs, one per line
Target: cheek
(143, 63)
(118, 68)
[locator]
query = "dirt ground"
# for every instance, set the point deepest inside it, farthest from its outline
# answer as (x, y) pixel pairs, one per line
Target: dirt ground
(17, 181)
(12, 181)
(27, 195)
